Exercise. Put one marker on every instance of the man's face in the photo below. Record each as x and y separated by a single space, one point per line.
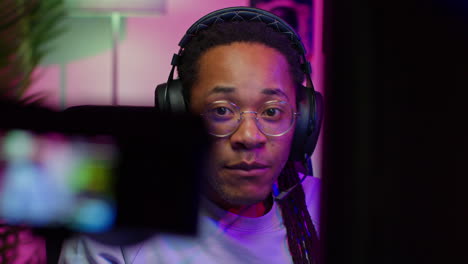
246 163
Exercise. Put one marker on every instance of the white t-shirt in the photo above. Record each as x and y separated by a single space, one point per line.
223 237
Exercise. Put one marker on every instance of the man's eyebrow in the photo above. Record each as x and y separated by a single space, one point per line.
221 89
271 91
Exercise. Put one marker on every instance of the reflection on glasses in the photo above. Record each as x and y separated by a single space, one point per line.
273 118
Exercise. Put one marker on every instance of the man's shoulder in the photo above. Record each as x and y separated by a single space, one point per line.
311 184
312 191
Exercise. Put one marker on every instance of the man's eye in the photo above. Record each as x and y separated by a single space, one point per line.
221 113
221 110
272 112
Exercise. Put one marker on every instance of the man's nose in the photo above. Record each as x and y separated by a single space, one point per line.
248 135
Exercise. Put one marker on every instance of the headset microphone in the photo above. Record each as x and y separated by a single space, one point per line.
277 196
283 194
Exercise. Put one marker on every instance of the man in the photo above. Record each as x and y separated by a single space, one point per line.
245 79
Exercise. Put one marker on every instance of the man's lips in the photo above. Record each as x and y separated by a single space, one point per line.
247 166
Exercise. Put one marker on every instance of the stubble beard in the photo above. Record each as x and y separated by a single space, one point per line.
221 193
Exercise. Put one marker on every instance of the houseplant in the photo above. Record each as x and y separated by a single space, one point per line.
26 29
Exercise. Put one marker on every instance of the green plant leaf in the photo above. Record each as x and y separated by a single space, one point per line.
27 28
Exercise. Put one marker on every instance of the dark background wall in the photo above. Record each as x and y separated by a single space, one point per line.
395 136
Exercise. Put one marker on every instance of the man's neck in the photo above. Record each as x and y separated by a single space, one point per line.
253 210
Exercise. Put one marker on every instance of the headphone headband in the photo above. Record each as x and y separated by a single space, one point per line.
232 14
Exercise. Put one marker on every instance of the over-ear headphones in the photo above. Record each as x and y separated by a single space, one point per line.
170 97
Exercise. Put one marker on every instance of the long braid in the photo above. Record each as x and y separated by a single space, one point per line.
302 237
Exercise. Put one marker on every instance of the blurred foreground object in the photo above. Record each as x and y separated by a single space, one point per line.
95 169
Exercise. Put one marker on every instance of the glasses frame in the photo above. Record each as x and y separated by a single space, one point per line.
241 114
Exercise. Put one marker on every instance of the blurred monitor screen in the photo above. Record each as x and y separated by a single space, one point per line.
57 179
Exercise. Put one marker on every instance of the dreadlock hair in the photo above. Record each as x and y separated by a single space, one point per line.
301 234
299 227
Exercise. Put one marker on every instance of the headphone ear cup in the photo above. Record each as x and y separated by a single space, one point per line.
159 93
308 124
170 97
311 140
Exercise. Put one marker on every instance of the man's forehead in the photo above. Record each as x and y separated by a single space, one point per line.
232 90
244 97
